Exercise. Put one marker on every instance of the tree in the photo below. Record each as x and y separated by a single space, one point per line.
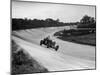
57 20
87 22
86 19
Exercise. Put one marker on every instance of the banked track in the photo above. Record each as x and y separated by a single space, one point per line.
70 56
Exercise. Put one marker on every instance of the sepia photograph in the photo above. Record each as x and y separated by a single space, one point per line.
52 37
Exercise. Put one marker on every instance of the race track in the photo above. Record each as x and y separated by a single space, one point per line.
70 56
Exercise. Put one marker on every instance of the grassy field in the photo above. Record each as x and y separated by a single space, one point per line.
22 63
88 39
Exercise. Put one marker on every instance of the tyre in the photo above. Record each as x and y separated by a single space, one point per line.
41 42
47 45
57 47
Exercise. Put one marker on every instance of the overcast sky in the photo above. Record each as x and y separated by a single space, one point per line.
66 13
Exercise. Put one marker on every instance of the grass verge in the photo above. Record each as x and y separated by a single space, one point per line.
22 63
87 39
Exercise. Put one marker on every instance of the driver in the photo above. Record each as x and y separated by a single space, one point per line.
53 43
49 41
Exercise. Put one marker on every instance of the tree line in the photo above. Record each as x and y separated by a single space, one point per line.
19 23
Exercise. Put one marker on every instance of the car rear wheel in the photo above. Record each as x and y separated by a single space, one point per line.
41 42
56 47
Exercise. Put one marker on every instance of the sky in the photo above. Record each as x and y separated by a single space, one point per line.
63 12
